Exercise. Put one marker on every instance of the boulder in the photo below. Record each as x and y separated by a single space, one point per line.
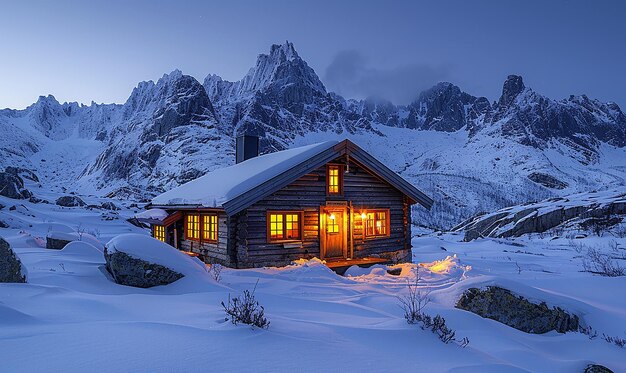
3 224
517 312
56 243
141 261
139 273
70 201
109 206
22 173
12 186
10 265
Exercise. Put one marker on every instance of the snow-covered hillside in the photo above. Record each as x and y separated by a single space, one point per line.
470 155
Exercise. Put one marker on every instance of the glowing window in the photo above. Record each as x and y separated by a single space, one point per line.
292 226
332 224
193 226
209 227
376 223
334 179
159 232
284 226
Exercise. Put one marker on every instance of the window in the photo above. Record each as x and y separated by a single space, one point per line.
159 232
376 223
284 225
334 179
204 226
209 227
332 224
193 227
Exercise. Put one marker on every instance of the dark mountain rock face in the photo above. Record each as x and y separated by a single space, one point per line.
12 186
513 86
535 120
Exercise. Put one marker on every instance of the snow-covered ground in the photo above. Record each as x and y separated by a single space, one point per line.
71 317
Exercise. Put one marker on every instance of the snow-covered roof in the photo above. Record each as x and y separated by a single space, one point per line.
222 185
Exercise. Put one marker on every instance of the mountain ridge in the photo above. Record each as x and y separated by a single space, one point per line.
176 129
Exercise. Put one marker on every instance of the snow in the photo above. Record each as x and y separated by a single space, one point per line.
222 185
327 321
73 318
151 250
152 214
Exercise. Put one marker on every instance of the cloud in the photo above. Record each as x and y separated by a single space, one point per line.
350 75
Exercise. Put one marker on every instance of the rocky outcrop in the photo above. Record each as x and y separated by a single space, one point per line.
109 206
12 186
583 210
139 273
596 368
517 312
22 173
70 201
547 181
10 265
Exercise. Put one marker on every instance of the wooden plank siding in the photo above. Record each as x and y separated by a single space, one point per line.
364 190
212 252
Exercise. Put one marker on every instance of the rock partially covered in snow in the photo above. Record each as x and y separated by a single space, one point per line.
70 201
515 311
141 261
57 240
10 265
109 206
12 186
545 215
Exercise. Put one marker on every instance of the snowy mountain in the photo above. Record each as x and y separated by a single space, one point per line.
470 154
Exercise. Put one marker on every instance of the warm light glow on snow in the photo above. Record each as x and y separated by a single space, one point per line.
441 266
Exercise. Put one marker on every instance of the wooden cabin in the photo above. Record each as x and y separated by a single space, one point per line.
331 200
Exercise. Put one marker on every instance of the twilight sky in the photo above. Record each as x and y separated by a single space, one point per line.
99 50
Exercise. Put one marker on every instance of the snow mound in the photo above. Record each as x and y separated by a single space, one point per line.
83 249
449 266
310 270
375 270
146 248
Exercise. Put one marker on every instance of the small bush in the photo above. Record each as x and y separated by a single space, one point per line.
597 262
619 342
246 310
216 271
413 305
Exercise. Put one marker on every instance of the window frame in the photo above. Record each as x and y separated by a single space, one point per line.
156 236
284 214
340 168
387 224
187 237
217 229
201 218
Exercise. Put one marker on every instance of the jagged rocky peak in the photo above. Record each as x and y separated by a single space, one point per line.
47 115
176 94
442 107
281 74
513 86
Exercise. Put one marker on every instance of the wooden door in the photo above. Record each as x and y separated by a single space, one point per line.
333 223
